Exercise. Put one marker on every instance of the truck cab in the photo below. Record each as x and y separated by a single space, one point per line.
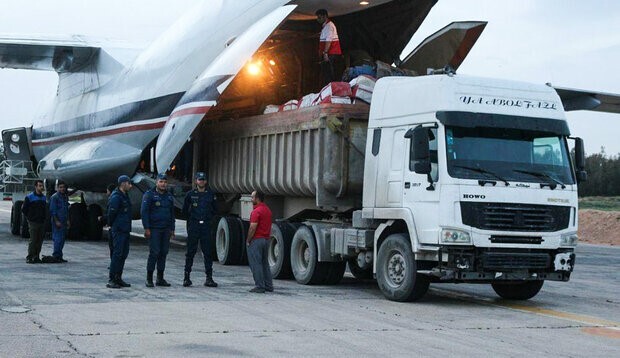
472 181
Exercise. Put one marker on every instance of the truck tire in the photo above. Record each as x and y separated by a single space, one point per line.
335 272
228 241
94 227
16 217
213 233
304 258
244 227
359 273
397 270
518 290
280 250
77 219
24 229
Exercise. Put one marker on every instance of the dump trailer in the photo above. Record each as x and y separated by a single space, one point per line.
443 178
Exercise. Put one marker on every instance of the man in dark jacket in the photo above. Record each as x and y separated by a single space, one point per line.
119 219
157 213
59 212
198 208
34 210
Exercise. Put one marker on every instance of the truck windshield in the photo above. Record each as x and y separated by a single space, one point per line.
508 154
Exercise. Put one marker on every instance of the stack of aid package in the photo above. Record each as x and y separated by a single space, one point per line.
362 88
334 92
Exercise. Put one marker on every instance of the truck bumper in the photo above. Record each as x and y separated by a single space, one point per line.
492 265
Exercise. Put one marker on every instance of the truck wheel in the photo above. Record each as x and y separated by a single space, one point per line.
24 230
335 272
279 255
94 229
213 233
77 218
518 290
228 241
244 227
304 258
16 217
359 273
397 270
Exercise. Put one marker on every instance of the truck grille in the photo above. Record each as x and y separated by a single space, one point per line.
513 261
515 217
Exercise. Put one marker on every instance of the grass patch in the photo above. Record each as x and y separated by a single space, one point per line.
606 203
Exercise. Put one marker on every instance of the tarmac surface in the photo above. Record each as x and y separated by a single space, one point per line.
65 310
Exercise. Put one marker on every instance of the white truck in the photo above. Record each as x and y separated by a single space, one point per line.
443 178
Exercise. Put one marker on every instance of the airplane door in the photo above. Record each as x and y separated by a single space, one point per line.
420 195
208 87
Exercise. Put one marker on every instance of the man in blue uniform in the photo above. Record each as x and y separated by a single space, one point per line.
59 212
198 208
157 213
119 219
34 210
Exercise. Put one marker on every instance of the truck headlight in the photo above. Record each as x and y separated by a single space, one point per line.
451 236
569 240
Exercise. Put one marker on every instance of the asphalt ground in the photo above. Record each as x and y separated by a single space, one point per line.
65 310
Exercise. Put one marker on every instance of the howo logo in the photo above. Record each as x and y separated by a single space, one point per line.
474 196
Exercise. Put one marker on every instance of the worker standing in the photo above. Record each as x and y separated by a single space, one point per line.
34 210
119 219
199 208
59 212
257 242
157 213
330 53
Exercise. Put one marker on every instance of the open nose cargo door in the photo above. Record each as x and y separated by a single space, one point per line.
208 87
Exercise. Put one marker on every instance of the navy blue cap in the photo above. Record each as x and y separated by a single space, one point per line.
201 175
123 178
162 176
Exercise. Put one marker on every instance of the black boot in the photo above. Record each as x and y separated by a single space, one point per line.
186 281
209 281
120 281
112 283
160 280
149 279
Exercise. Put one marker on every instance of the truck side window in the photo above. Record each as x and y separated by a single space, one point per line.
432 136
376 141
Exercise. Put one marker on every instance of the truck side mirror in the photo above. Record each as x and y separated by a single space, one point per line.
419 156
580 161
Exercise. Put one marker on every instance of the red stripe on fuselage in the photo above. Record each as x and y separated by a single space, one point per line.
138 127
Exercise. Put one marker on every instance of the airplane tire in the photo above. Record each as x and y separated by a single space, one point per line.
16 217
94 228
77 219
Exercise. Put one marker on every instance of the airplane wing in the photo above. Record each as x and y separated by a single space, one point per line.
205 91
575 99
60 54
446 47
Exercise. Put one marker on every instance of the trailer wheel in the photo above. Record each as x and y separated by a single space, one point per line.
16 217
94 227
77 218
244 227
24 229
335 272
518 290
228 241
304 258
280 250
358 272
397 270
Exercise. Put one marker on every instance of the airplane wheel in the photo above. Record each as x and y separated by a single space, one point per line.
77 218
16 217
94 227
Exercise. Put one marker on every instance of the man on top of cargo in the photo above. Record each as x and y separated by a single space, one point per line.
199 208
330 53
257 241
157 213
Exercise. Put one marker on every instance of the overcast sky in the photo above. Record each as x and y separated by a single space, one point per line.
570 43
